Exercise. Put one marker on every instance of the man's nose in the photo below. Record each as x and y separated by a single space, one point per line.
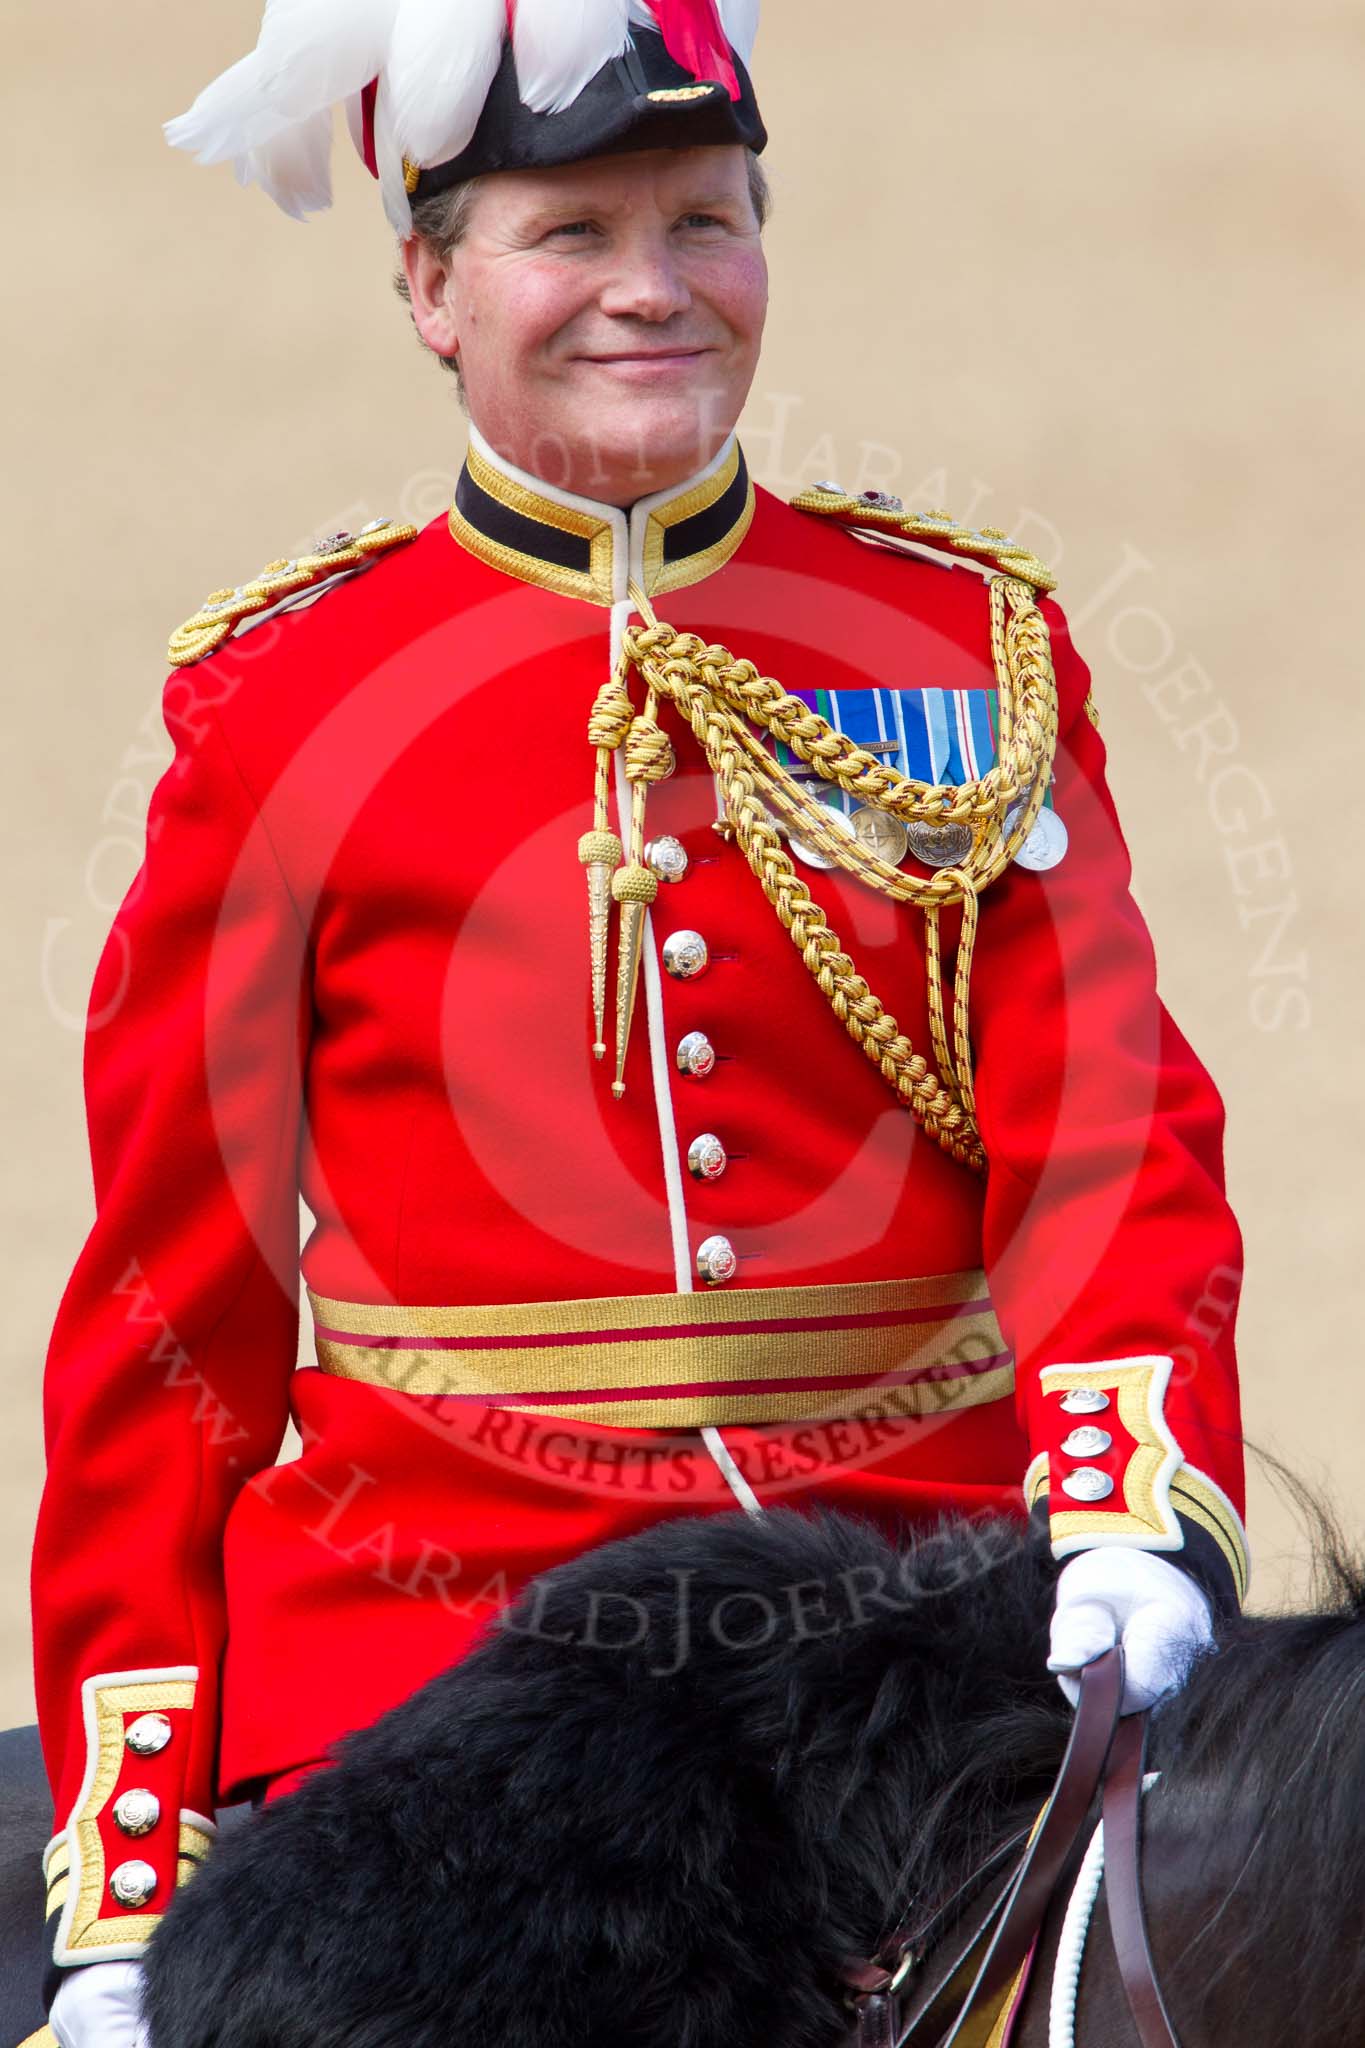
647 284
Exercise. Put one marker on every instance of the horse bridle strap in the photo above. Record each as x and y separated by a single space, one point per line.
995 1953
1122 1885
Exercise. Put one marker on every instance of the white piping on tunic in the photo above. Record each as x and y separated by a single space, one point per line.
658 1062
674 1187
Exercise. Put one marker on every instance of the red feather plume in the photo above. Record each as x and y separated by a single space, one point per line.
694 38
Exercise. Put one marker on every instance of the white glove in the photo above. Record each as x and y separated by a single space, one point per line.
1118 1593
99 2006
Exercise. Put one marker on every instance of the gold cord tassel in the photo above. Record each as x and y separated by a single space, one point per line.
649 758
634 887
600 849
600 853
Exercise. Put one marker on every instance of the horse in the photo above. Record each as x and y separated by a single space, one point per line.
691 1780
690 1783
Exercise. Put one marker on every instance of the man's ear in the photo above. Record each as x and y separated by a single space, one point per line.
428 279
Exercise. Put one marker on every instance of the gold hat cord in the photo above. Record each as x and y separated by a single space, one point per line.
722 698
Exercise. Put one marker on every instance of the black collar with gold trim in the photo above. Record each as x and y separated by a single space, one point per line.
529 529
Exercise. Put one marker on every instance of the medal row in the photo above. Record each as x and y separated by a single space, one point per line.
938 736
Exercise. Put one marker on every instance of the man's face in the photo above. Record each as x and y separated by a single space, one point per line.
607 315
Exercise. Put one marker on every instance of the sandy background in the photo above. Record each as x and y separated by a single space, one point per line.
1089 274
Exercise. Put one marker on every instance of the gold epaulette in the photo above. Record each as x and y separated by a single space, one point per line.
878 510
222 611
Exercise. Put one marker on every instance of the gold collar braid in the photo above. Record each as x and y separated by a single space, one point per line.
722 698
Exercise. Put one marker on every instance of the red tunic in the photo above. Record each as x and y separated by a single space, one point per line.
354 964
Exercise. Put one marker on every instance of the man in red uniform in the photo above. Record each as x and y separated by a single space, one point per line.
708 1090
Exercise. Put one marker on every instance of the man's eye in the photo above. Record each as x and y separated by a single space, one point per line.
570 227
711 220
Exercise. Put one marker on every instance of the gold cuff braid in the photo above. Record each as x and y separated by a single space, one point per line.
722 698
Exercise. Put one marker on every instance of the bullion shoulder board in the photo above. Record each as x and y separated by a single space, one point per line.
327 561
880 512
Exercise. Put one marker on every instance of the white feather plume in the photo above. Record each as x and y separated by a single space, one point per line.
296 168
561 44
739 19
271 111
388 156
442 59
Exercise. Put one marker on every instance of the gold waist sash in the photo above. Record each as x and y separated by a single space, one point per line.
659 1361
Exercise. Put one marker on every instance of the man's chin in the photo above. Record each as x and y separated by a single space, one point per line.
676 431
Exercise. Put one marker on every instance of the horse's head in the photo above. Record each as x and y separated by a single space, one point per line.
1254 1850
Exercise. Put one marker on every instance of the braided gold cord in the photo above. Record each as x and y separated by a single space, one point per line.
224 610
939 529
1028 731
648 758
723 698
956 1064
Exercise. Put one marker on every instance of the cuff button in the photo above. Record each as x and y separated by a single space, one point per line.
132 1883
1087 1482
1085 1401
1087 1442
137 1810
148 1734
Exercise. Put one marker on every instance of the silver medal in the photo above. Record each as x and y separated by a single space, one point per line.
881 834
1045 844
939 846
815 856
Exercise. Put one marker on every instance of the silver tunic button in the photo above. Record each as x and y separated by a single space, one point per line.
667 857
716 1260
148 1734
1087 1442
137 1810
132 1883
686 955
836 490
1087 1482
1085 1401
696 1055
707 1158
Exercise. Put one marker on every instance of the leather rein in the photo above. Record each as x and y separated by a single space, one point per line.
963 2003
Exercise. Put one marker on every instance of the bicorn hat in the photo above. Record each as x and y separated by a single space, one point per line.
438 91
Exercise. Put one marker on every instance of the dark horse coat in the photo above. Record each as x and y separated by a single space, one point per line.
683 1777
